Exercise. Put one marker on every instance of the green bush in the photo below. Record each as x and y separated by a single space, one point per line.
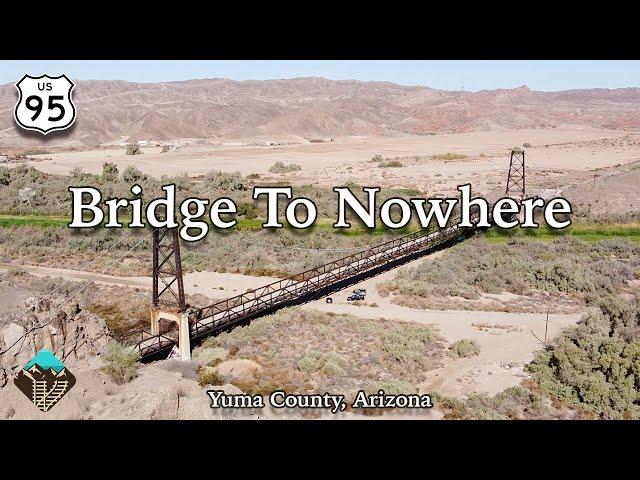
406 346
596 365
109 172
224 181
120 362
133 149
132 175
465 347
280 167
247 210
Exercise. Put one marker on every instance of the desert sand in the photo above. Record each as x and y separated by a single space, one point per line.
347 159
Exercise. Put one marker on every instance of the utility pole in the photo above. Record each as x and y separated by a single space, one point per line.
546 328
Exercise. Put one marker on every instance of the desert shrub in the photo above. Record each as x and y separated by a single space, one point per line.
377 159
391 164
133 149
516 402
209 376
123 317
280 167
449 156
165 148
247 210
35 151
390 387
596 365
210 356
406 346
120 362
109 172
132 175
76 173
527 145
224 181
5 176
331 363
465 347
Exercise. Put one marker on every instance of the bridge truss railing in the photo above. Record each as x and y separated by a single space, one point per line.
215 317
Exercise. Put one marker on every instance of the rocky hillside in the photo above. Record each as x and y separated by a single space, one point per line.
315 107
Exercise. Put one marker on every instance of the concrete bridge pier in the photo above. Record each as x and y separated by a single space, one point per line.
184 333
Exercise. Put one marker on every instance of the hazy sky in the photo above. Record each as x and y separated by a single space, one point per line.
450 75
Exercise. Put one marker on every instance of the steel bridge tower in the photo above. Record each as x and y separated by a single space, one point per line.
168 300
516 179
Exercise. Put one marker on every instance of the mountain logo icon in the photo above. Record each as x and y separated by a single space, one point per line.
44 380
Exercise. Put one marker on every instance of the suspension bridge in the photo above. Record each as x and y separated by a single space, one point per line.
197 323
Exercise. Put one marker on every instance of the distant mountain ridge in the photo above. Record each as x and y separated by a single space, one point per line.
307 108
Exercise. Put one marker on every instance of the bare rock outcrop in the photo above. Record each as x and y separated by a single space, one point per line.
69 333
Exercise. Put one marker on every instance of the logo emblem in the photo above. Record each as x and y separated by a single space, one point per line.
45 103
44 380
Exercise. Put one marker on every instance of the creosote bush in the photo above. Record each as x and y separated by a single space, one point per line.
465 347
133 149
226 182
280 167
120 362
